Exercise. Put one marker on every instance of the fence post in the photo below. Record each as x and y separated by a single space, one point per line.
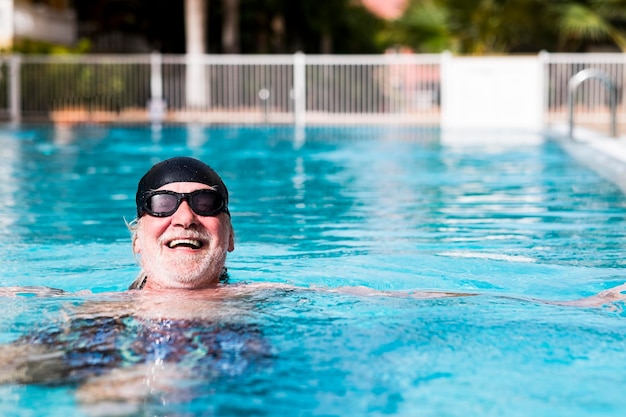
14 88
299 89
156 104
544 62
445 85
196 82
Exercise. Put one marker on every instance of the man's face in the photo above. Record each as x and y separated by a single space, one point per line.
184 250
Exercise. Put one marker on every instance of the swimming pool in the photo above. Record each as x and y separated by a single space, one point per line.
388 209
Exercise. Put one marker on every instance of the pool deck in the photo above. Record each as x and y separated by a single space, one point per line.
605 155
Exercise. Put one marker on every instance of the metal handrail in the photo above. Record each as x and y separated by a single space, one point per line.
578 79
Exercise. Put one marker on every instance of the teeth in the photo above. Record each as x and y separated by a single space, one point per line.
190 243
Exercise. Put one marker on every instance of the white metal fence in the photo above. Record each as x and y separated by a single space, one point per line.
591 100
221 89
394 88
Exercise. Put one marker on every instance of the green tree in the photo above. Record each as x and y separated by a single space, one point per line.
505 26
595 21
424 27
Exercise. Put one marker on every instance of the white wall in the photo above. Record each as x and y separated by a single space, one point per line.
492 92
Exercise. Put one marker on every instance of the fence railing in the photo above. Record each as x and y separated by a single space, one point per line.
219 88
592 99
390 88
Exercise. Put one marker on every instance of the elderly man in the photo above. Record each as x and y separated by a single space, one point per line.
147 344
183 229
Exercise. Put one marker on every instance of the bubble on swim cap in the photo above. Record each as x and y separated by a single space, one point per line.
179 169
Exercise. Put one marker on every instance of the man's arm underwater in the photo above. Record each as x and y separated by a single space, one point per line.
611 295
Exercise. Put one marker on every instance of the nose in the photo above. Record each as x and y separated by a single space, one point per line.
184 216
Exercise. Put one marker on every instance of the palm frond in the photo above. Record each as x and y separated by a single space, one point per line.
579 22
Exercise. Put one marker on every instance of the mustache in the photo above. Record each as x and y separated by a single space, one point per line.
188 234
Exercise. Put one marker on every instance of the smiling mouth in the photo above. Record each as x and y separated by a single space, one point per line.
185 243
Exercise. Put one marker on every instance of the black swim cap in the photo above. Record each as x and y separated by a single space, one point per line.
179 169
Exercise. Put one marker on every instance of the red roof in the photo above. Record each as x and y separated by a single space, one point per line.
387 9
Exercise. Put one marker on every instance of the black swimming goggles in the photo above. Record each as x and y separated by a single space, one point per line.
164 203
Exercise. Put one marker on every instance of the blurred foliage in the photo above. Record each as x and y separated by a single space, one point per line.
77 85
508 26
593 21
346 27
286 26
265 26
27 46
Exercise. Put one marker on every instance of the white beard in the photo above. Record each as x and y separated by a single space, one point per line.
173 269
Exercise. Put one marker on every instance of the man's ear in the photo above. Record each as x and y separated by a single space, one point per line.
136 247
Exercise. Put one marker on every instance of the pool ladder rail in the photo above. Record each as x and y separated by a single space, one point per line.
576 80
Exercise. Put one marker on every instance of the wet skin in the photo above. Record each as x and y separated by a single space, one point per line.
184 250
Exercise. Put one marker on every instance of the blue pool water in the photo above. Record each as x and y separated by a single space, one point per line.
388 209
